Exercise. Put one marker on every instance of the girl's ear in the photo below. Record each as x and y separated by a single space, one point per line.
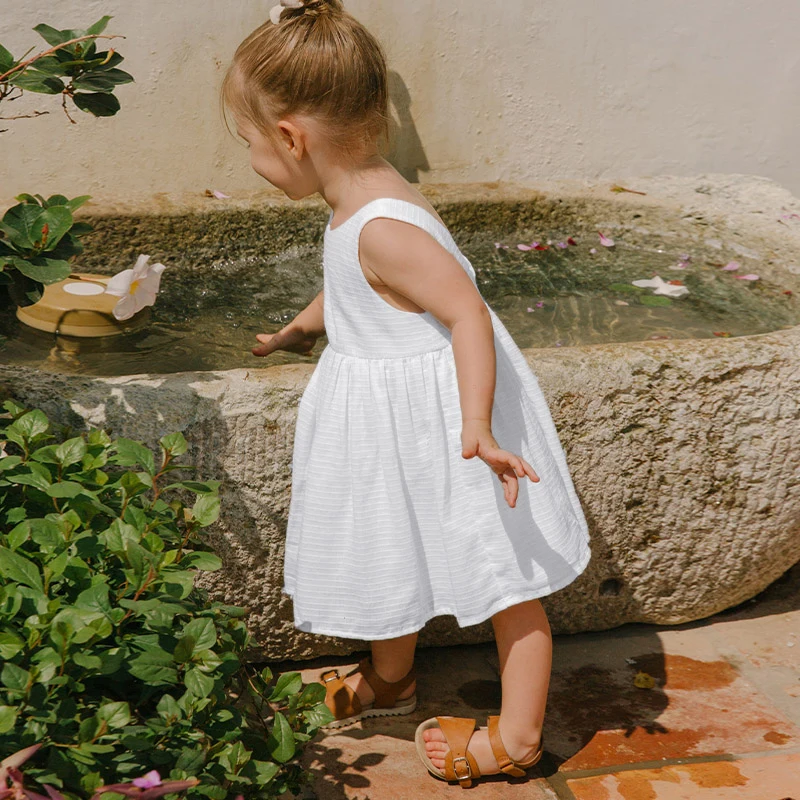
293 139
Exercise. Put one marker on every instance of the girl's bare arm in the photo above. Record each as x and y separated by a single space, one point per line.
299 336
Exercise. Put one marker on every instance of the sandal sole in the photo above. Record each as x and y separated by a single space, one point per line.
395 711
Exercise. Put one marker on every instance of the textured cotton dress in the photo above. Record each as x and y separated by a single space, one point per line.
388 524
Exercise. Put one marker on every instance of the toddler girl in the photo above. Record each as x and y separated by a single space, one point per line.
404 504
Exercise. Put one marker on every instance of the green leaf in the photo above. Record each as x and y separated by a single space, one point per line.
53 36
288 683
32 81
72 205
29 426
98 26
42 269
198 683
203 632
66 489
178 584
154 666
8 718
36 476
207 562
131 453
6 60
10 645
206 509
312 694
318 716
174 443
102 81
14 677
97 103
71 451
280 742
87 661
184 650
265 771
116 715
16 568
58 220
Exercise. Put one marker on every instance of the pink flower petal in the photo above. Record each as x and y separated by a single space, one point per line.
220 195
593 250
530 310
749 277
731 266
148 781
524 247
562 245
605 241
540 305
500 246
790 216
621 303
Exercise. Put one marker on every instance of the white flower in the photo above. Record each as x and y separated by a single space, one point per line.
660 286
137 287
276 11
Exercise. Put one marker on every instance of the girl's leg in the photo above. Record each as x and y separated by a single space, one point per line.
392 659
524 645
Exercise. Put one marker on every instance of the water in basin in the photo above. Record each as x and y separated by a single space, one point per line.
206 316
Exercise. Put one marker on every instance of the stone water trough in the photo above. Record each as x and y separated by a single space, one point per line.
685 453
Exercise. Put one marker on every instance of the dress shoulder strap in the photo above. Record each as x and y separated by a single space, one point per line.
405 211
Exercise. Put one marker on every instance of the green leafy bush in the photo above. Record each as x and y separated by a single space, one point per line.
111 657
37 239
70 68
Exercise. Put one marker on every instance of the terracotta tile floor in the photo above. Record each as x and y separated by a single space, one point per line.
721 722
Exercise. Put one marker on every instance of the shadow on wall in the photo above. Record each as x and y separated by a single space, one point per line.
405 152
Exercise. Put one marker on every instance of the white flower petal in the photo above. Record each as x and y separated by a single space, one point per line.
120 284
126 308
275 14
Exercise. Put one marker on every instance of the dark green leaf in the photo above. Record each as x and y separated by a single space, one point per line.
154 666
207 562
14 677
98 103
288 683
16 568
53 36
66 489
116 715
6 60
203 632
32 81
280 742
198 683
71 451
312 694
30 426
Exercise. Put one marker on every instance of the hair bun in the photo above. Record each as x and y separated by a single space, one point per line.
301 8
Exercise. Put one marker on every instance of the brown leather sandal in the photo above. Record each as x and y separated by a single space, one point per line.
346 706
459 763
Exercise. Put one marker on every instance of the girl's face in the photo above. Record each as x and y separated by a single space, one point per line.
279 160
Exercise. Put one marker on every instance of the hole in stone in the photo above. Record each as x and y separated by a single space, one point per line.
610 587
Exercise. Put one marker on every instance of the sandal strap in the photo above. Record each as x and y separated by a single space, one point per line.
340 699
386 693
459 764
504 761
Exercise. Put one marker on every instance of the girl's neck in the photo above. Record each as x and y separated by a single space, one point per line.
347 187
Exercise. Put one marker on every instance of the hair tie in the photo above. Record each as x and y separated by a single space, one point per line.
276 11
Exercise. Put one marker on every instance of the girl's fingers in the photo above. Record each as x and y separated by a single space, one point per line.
529 471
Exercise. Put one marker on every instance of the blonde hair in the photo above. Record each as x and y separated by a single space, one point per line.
318 61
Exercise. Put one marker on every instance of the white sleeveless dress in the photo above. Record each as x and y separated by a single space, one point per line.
388 524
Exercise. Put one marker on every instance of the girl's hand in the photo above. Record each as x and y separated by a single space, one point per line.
292 339
477 440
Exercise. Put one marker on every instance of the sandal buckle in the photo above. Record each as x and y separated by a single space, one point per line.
466 764
330 675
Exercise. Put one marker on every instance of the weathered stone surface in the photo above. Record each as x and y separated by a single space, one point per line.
685 453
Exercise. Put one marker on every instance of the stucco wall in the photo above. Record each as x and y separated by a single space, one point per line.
516 90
